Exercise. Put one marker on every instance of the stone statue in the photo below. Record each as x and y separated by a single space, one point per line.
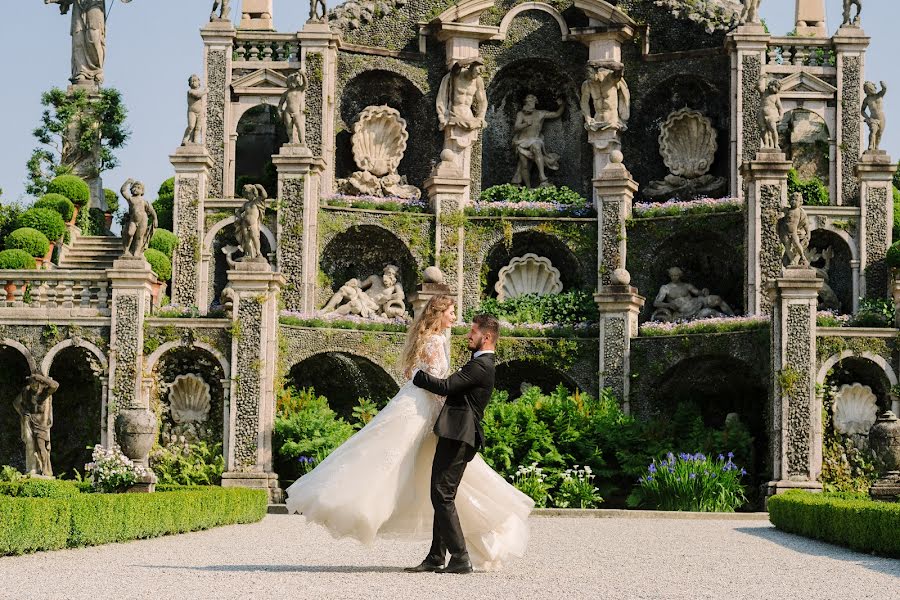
750 14
770 113
682 301
828 300
350 300
35 407
247 220
794 231
88 38
292 107
461 88
848 9
196 115
687 143
375 296
528 142
873 113
607 91
142 221
318 11
224 8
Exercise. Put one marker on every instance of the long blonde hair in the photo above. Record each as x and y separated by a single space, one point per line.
428 323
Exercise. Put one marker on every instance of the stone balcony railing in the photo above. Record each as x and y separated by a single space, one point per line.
788 54
76 292
266 47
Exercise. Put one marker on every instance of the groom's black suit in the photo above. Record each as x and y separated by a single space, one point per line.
460 436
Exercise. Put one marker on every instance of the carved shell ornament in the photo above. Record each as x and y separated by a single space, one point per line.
688 143
528 274
379 140
855 409
189 399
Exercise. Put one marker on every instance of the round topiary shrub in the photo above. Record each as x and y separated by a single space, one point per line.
112 201
164 241
72 187
893 256
46 220
160 263
30 240
16 259
59 203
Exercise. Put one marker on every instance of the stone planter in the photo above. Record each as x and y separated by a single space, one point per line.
884 439
48 258
136 433
74 216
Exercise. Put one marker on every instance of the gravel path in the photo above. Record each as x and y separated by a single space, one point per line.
282 557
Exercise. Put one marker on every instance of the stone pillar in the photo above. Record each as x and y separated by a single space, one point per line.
766 195
613 193
811 18
254 357
192 164
876 203
619 306
257 15
299 182
850 45
218 42
796 417
432 286
747 47
447 197
318 48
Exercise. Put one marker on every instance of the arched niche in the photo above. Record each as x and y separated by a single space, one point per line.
260 135
222 235
14 370
514 376
865 368
536 242
831 256
804 138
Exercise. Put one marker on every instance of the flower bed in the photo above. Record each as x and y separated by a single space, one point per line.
376 203
691 482
333 321
827 318
529 209
712 325
677 208
549 330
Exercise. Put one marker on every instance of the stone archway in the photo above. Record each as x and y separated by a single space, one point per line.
16 365
213 263
260 134
536 242
512 375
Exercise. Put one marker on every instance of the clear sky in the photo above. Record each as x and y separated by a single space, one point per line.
154 45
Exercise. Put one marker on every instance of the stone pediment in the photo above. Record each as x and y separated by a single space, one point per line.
260 82
805 85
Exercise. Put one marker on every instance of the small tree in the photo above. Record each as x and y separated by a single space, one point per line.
76 128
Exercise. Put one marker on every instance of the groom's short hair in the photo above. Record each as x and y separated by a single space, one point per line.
488 324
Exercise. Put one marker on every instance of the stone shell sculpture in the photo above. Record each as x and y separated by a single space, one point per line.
855 409
189 399
528 274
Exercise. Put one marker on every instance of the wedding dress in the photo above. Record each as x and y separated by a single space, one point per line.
377 484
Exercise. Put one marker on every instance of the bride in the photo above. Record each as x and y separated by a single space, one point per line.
377 483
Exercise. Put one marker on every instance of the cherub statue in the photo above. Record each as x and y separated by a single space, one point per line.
770 112
247 220
35 407
794 232
195 115
318 11
142 221
607 90
873 113
224 8
750 14
528 141
292 107
848 9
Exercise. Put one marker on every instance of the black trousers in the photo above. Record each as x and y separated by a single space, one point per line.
450 460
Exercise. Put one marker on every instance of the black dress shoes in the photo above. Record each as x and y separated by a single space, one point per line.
459 566
425 566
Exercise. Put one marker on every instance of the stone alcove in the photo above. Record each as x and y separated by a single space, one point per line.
840 272
541 244
512 374
804 137
260 134
14 369
220 236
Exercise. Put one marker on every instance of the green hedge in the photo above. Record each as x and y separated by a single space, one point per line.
16 259
46 220
32 524
160 263
847 520
72 187
59 203
29 240
164 241
39 488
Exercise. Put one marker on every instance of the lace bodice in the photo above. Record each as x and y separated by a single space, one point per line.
436 361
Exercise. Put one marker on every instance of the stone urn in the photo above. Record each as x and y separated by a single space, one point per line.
136 433
884 439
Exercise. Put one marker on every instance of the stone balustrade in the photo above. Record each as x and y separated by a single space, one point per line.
266 47
85 291
783 53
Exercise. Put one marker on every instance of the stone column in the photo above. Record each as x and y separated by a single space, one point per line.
796 417
218 42
299 182
318 48
447 192
811 18
766 194
256 15
254 357
619 306
850 45
876 207
192 164
613 193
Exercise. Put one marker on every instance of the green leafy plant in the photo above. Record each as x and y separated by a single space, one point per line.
874 312
364 411
160 263
571 307
47 221
892 258
577 489
188 464
508 192
691 482
112 201
814 191
59 203
532 482
10 474
72 187
164 241
111 471
165 203
16 259
28 240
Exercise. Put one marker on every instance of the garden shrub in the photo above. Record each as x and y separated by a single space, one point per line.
508 192
33 524
28 240
112 201
691 482
874 312
188 465
164 204
46 220
16 259
8 215
111 471
896 227
160 263
72 187
567 308
892 259
814 191
845 519
59 203
164 241
39 488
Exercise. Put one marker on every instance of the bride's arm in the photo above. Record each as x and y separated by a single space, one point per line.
434 358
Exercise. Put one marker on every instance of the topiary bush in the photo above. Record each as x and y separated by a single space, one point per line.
16 259
72 187
30 240
164 241
896 213
112 201
164 203
59 203
47 221
160 263
892 258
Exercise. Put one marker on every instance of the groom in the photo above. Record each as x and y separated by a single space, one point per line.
460 436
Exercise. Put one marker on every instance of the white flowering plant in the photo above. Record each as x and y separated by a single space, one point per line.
531 481
577 489
111 471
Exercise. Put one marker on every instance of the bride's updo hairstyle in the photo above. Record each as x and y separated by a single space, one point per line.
427 323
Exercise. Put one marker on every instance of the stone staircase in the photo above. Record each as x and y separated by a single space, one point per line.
92 252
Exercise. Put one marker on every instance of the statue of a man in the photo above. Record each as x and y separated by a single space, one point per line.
196 115
247 220
681 301
224 8
528 141
35 407
460 88
794 231
607 91
292 107
750 14
386 291
350 300
770 112
873 113
848 10
318 11
88 38
142 221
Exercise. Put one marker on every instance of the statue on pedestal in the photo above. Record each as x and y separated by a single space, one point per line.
794 232
607 91
247 220
318 11
196 115
750 14
848 10
88 38
770 113
292 108
142 221
375 296
528 142
827 300
873 113
461 88
682 301
224 8
35 407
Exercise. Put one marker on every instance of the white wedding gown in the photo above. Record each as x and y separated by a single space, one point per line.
377 484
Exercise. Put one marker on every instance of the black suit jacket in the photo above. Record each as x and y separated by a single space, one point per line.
468 392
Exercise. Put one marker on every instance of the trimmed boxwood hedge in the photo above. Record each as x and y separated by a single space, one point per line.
164 241
46 220
160 263
72 187
843 519
16 259
59 203
29 240
28 524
